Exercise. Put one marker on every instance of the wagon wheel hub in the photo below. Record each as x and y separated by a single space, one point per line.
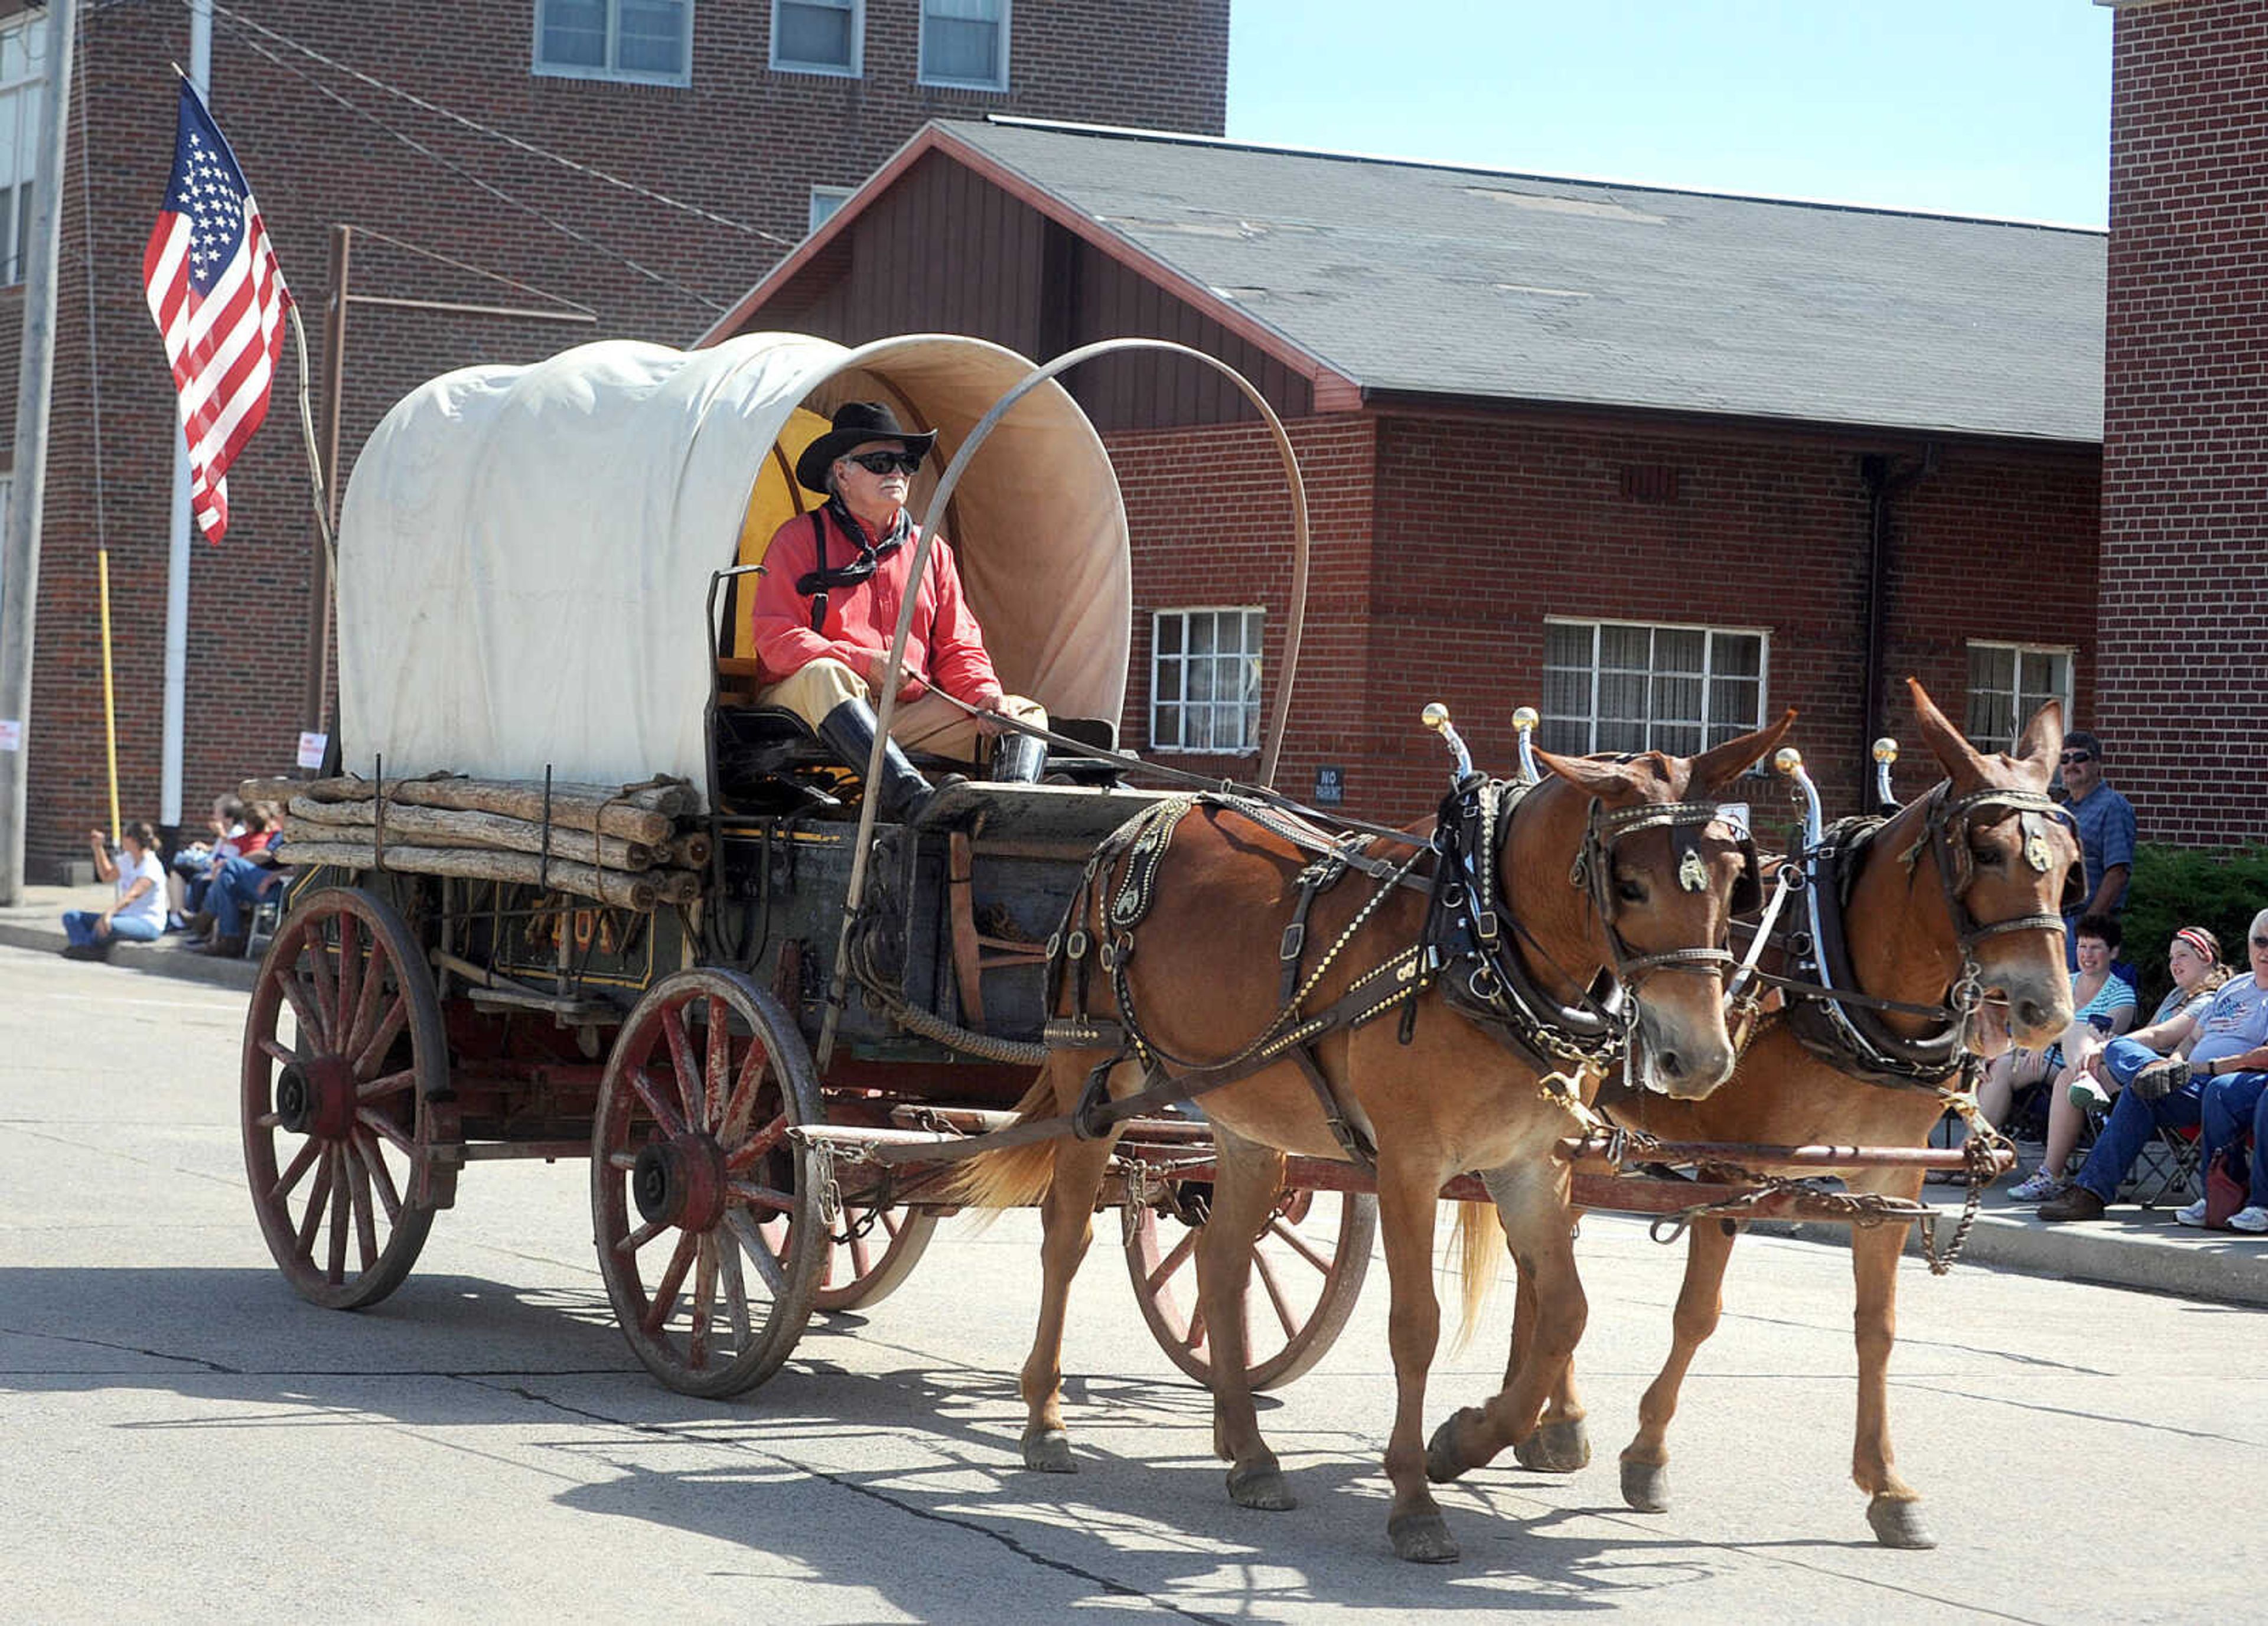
681 1182
317 1097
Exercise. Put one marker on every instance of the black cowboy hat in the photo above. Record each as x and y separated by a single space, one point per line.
856 423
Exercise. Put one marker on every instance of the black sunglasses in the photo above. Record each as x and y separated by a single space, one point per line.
888 462
2069 757
2260 942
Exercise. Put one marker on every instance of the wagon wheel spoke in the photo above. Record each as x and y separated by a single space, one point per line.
303 1008
350 976
649 1092
742 1103
292 1175
680 1058
736 1291
1300 1245
276 1051
718 1066
704 1301
365 1222
630 1245
388 1130
380 1176
756 1146
1267 1274
318 1196
339 1200
760 1196
374 1048
393 1084
1194 1339
324 982
1174 1260
890 1225
743 1227
862 1258
623 1160
664 1291
366 1000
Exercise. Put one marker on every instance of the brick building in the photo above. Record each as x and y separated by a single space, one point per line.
1658 463
2185 617
711 136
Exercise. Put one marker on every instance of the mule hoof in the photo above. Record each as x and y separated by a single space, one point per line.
1422 1538
1646 1486
1898 1522
1261 1487
1047 1450
1443 1462
1558 1447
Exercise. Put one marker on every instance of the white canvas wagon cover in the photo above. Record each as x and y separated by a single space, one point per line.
524 553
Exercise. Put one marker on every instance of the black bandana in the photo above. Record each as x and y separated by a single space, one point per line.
815 583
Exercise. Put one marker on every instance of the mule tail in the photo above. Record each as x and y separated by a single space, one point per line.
1018 1176
1478 1240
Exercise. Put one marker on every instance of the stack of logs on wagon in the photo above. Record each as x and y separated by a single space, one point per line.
630 847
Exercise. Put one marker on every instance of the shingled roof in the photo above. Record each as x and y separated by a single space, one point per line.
1443 279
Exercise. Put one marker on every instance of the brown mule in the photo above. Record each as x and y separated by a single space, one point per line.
1903 947
1451 1099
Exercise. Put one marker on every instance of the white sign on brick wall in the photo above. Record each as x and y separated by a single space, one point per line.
312 747
11 734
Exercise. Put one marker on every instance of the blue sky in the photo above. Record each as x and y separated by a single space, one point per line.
1969 106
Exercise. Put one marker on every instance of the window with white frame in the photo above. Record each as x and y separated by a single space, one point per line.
23 82
1625 686
824 201
965 43
2008 682
818 36
1205 680
650 42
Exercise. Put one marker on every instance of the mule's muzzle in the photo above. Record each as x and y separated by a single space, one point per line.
2038 1012
1684 1060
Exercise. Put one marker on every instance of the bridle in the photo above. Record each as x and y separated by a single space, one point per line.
1946 831
1594 871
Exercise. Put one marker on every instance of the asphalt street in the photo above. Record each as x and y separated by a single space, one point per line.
186 1439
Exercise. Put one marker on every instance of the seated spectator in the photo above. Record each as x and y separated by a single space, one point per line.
237 886
2217 1060
139 913
2102 1005
257 824
185 881
2193 961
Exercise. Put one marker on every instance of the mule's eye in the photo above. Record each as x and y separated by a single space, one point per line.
1989 858
1630 891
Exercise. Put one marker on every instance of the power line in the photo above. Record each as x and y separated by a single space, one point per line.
509 139
470 178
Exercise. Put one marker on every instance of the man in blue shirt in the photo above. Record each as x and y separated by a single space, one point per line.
2210 1070
2106 834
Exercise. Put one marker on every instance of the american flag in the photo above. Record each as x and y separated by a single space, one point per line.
219 298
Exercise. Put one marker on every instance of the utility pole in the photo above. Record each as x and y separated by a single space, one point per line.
20 567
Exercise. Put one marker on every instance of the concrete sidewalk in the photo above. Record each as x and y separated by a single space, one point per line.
37 923
2129 1247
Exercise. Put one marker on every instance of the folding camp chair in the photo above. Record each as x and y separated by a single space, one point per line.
2168 1168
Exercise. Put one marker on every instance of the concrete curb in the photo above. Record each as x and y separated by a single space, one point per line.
2130 1247
163 958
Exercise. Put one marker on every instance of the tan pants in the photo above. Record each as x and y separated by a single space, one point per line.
931 723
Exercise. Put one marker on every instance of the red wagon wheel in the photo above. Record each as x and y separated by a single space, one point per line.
872 1252
1307 1267
347 1152
705 1210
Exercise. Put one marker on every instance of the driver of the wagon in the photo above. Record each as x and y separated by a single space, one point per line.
827 607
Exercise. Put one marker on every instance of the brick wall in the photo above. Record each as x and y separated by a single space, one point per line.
2184 612
1442 544
741 142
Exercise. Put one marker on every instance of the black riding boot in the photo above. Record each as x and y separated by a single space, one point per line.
849 732
1018 759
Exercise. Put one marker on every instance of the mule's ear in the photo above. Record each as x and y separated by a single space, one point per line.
1953 753
1602 779
1719 765
2042 740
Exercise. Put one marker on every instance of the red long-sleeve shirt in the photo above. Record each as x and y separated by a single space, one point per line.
945 649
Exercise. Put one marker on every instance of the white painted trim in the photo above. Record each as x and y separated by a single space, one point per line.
825 70
841 194
609 74
1707 674
921 46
